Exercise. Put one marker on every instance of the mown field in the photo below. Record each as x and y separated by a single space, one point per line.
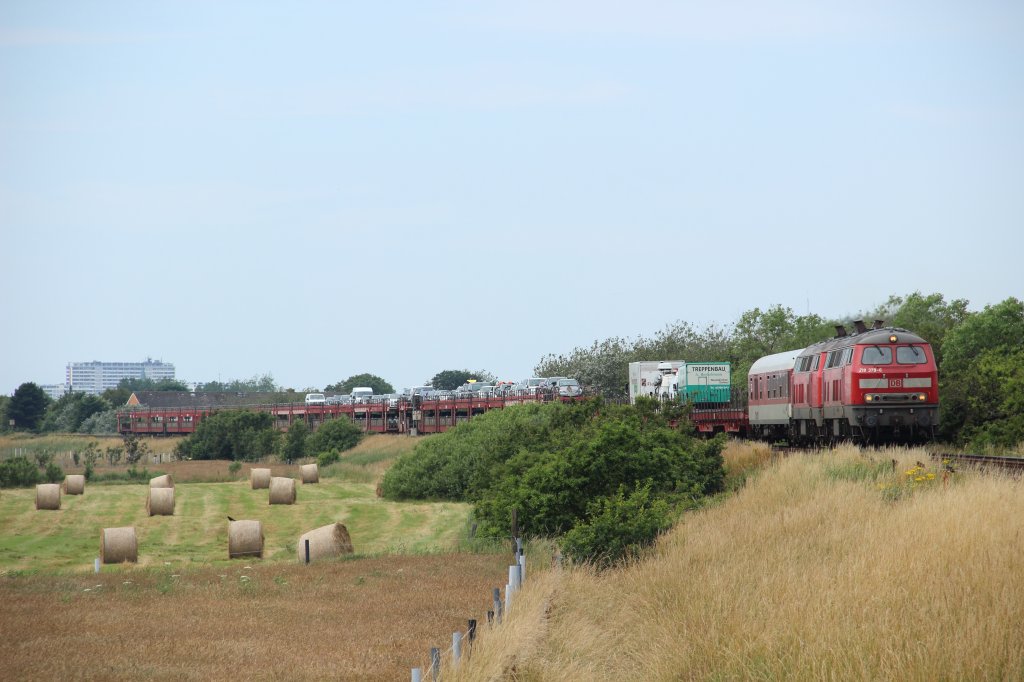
68 538
187 612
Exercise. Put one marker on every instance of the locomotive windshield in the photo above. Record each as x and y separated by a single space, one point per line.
910 355
876 355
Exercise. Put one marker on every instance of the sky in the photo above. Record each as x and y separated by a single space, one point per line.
319 189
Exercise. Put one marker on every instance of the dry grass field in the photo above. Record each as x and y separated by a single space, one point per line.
365 619
829 566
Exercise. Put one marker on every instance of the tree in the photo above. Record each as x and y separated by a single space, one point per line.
132 385
257 384
295 442
336 434
134 448
451 379
231 434
980 379
27 406
378 385
68 412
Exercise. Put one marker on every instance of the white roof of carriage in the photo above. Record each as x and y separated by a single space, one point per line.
780 362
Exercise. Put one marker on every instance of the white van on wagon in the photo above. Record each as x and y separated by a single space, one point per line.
315 399
362 394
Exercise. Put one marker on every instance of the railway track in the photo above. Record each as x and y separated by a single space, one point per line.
1002 461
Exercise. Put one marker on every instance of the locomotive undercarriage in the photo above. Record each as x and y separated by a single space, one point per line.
869 426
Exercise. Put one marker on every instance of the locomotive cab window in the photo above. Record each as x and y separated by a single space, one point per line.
911 355
876 355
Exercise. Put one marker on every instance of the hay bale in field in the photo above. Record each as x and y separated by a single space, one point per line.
245 538
282 490
164 481
310 473
160 502
48 496
326 541
260 478
118 545
74 484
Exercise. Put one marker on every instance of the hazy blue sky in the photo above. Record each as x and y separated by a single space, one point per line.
318 189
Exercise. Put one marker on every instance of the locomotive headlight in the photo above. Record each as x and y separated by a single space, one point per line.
892 338
922 396
868 398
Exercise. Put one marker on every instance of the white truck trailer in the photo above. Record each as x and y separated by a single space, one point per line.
654 378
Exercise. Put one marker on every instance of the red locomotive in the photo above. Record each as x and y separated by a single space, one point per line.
878 385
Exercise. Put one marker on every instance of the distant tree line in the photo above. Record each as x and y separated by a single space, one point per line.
981 367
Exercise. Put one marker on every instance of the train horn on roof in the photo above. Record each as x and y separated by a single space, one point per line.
878 324
861 327
840 331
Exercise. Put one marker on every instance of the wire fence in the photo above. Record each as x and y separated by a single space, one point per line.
462 641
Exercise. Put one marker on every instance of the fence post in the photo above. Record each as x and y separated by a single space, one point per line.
435 663
497 604
307 550
490 617
508 597
417 675
471 630
513 576
456 647
522 569
96 565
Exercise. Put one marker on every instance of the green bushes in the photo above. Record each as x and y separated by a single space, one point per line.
325 459
564 468
336 434
232 434
618 527
18 471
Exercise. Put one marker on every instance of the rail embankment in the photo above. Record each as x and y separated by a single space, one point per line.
838 565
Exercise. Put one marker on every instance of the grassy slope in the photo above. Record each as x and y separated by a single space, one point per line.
821 567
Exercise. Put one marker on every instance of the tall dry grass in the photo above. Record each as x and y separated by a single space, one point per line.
825 566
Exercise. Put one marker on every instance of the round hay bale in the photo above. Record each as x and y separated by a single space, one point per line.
48 496
164 481
74 484
160 502
326 541
245 538
310 473
118 545
260 478
282 490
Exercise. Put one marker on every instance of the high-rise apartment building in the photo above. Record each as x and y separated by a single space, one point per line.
95 377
